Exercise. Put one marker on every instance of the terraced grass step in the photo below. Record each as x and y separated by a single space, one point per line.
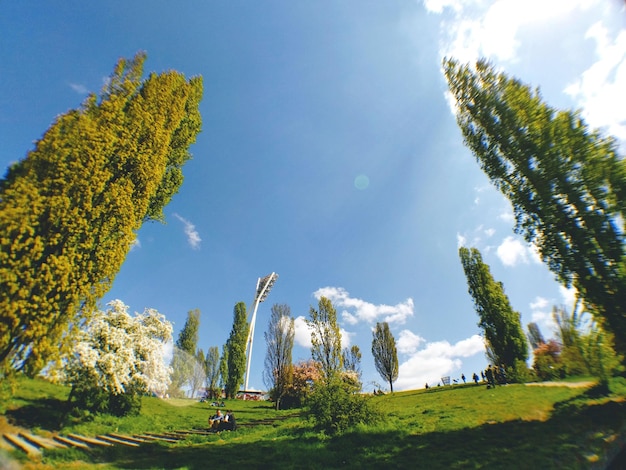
89 440
42 442
150 437
134 439
22 444
117 440
71 442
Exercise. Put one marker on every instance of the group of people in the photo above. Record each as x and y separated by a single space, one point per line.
222 422
491 376
494 375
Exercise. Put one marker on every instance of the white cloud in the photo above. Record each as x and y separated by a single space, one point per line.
497 30
360 310
135 245
479 28
490 232
541 314
461 240
302 333
78 88
568 296
539 303
193 237
513 251
408 342
436 360
600 89
507 216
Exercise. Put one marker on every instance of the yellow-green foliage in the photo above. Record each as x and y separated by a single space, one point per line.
69 211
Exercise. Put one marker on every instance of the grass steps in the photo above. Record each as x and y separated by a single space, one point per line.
42 442
117 440
89 440
71 442
34 445
21 444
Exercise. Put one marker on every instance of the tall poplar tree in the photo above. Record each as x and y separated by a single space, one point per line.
188 337
184 360
352 359
224 367
325 338
385 353
236 346
279 338
212 371
69 211
565 181
501 324
534 336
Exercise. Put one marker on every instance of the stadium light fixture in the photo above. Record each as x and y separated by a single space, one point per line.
263 287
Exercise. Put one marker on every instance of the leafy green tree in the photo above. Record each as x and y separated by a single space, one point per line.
236 346
70 210
184 363
500 323
117 359
336 406
305 375
547 364
279 337
385 353
198 375
599 354
325 338
566 183
570 337
188 336
352 360
212 371
534 335
585 349
224 367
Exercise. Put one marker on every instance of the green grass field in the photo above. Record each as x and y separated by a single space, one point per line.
515 426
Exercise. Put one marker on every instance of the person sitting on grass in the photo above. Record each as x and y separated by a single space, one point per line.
216 419
228 423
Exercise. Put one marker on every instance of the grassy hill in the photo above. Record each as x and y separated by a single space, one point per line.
515 426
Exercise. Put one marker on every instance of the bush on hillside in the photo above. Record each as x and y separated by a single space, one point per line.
117 359
337 405
305 375
520 373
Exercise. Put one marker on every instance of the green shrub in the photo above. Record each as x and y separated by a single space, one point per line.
336 406
520 373
86 401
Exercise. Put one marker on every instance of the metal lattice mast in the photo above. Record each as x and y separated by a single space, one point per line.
263 287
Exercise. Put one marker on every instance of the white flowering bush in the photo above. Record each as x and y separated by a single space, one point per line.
119 357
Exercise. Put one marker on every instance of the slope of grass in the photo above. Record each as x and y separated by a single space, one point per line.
515 426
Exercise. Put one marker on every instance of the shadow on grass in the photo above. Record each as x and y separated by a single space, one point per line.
569 439
44 413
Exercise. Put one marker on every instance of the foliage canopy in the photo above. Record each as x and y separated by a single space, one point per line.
385 353
566 183
69 211
325 338
236 346
279 338
501 324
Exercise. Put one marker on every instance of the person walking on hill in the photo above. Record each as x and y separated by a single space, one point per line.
490 379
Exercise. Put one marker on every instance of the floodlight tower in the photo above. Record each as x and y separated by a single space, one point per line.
263 287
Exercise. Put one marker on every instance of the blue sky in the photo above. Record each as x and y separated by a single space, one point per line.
328 154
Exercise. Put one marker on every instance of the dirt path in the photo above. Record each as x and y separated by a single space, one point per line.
587 383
